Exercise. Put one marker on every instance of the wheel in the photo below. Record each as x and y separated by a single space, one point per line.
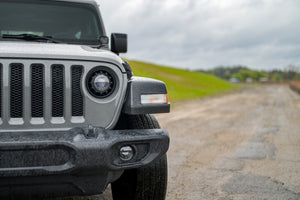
145 183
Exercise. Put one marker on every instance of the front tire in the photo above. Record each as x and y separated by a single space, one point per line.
145 183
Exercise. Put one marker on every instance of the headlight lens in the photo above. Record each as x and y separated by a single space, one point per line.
101 82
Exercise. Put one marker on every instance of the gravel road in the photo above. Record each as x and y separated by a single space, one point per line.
243 145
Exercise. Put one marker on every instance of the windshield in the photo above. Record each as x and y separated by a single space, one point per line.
68 22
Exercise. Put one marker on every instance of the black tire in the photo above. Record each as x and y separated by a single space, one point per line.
146 183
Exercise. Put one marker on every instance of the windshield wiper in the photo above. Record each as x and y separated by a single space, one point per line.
30 37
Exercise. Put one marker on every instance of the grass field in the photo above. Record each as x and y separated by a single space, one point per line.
182 84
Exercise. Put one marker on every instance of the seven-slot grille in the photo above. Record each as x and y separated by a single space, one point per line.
25 81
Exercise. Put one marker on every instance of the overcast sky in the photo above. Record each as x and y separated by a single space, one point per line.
202 34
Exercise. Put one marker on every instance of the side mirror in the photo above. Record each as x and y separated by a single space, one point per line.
118 43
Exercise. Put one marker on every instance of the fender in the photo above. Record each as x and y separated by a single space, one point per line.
139 86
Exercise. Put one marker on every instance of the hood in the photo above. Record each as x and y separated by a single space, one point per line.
56 51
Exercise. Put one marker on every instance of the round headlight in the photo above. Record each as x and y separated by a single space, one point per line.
101 82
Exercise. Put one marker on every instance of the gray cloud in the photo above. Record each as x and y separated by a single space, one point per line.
195 34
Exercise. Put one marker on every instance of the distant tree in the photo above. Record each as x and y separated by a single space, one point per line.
226 72
244 74
276 77
293 68
291 72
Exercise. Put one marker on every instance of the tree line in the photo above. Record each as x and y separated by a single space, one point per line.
243 73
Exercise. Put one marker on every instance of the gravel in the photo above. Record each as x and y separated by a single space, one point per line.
242 145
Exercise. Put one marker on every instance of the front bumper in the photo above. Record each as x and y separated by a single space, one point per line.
80 161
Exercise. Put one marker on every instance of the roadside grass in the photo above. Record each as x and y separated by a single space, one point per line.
182 84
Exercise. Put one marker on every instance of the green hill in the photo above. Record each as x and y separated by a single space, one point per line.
182 84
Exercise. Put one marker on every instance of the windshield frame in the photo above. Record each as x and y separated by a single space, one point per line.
91 5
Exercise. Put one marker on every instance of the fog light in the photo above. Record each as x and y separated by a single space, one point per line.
126 153
154 99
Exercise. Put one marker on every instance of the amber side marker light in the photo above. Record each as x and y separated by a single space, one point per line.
154 99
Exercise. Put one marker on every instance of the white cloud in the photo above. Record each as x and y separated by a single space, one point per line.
206 33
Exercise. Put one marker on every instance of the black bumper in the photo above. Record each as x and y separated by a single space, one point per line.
81 161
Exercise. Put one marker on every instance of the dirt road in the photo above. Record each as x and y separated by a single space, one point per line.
244 145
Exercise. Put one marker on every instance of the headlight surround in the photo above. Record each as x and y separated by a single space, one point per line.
101 82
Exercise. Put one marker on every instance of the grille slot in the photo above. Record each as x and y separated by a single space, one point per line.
39 94
37 90
16 90
1 90
58 90
77 97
